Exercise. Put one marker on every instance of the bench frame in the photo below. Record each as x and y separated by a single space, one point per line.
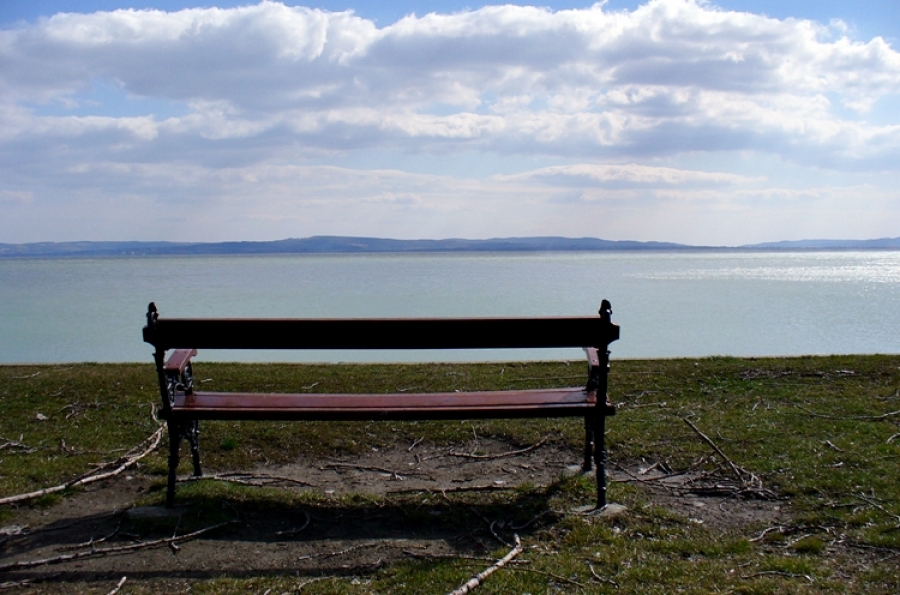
183 407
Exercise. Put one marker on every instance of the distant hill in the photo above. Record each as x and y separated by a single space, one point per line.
349 245
326 245
880 244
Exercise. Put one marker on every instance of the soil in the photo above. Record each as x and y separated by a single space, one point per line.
312 541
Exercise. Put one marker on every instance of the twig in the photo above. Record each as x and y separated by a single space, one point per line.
879 507
496 536
528 524
128 461
777 573
119 586
298 529
238 478
648 479
476 580
92 542
17 444
602 579
832 445
392 473
712 445
110 550
779 528
25 377
555 577
460 489
300 587
511 453
881 417
435 556
342 552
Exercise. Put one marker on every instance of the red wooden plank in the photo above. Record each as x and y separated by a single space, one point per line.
496 404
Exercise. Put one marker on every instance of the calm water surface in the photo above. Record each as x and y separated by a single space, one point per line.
668 304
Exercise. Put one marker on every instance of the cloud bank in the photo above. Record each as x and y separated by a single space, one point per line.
275 121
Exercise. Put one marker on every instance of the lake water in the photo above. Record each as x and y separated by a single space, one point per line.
671 304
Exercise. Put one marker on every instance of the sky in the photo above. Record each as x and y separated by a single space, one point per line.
711 123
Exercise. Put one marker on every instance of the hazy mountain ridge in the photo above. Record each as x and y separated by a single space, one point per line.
349 245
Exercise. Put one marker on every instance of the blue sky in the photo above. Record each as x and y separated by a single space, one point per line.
677 120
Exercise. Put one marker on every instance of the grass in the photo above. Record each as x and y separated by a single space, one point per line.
820 432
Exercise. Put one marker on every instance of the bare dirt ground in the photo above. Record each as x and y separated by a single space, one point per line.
311 541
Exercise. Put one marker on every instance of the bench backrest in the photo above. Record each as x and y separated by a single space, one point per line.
379 333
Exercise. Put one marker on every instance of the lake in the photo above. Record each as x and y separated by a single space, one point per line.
669 304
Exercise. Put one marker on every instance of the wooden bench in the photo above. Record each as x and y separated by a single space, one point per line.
183 407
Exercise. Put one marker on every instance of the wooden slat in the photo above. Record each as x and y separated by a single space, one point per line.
381 333
560 402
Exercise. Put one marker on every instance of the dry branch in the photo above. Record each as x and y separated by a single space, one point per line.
121 549
123 463
511 453
248 479
712 445
602 579
16 444
394 474
118 586
342 552
476 580
456 490
296 530
881 417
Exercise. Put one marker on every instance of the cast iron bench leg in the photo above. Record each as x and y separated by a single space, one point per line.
189 431
192 433
600 459
587 465
174 444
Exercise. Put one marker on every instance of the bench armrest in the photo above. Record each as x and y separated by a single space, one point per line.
179 360
593 356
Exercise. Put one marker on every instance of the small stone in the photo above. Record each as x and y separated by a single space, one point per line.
608 511
12 530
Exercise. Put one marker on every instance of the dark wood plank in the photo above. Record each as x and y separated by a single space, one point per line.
381 333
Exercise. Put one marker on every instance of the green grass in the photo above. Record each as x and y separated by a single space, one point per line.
821 432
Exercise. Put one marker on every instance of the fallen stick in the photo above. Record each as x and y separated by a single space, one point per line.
110 550
456 490
154 441
394 474
119 586
712 444
511 453
246 478
476 580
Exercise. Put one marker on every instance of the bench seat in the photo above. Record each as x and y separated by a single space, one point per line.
558 402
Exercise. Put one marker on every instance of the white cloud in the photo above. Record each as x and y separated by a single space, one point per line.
670 66
603 101
632 174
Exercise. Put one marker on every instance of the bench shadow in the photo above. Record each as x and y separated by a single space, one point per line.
272 536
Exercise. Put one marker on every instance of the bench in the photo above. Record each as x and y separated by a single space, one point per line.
183 407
